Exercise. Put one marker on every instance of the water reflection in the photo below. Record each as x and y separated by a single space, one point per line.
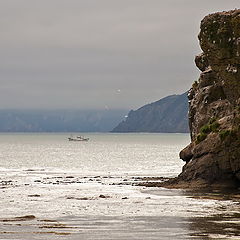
222 222
225 225
218 226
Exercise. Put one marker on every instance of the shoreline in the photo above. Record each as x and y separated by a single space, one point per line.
97 207
199 188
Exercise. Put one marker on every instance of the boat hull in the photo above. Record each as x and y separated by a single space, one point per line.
78 139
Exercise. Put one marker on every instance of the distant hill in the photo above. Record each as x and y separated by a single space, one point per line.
60 120
168 115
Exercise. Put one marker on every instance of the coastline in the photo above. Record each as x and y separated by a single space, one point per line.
63 206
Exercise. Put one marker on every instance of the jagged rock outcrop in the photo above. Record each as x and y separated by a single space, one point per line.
213 155
168 115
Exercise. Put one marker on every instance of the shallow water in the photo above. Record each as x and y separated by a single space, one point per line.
87 190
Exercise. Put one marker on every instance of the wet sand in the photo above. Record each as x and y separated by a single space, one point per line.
62 206
115 227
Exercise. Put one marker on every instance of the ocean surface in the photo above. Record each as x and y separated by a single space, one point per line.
55 189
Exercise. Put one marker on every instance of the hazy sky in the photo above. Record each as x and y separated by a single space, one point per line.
92 54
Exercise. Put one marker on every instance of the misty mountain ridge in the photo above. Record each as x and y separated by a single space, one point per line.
167 115
60 120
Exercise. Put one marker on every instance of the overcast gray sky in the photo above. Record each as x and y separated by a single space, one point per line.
96 54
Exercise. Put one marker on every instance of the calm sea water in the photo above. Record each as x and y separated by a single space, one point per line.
87 190
118 154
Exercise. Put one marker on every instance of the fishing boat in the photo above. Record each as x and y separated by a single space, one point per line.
78 139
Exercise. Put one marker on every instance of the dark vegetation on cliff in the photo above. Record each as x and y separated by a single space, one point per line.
168 115
213 156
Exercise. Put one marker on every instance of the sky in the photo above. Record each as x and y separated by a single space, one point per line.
98 54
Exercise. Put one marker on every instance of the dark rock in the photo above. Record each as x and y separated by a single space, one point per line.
16 219
186 154
202 62
103 196
213 157
81 198
207 78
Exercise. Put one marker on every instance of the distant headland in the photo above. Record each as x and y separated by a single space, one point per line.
168 115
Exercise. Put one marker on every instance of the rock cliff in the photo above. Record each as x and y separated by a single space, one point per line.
168 115
213 156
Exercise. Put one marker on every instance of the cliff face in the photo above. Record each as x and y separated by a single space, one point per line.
213 155
166 115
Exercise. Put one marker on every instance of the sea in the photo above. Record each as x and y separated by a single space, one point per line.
52 188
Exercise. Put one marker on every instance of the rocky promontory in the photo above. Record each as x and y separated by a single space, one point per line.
167 115
213 156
